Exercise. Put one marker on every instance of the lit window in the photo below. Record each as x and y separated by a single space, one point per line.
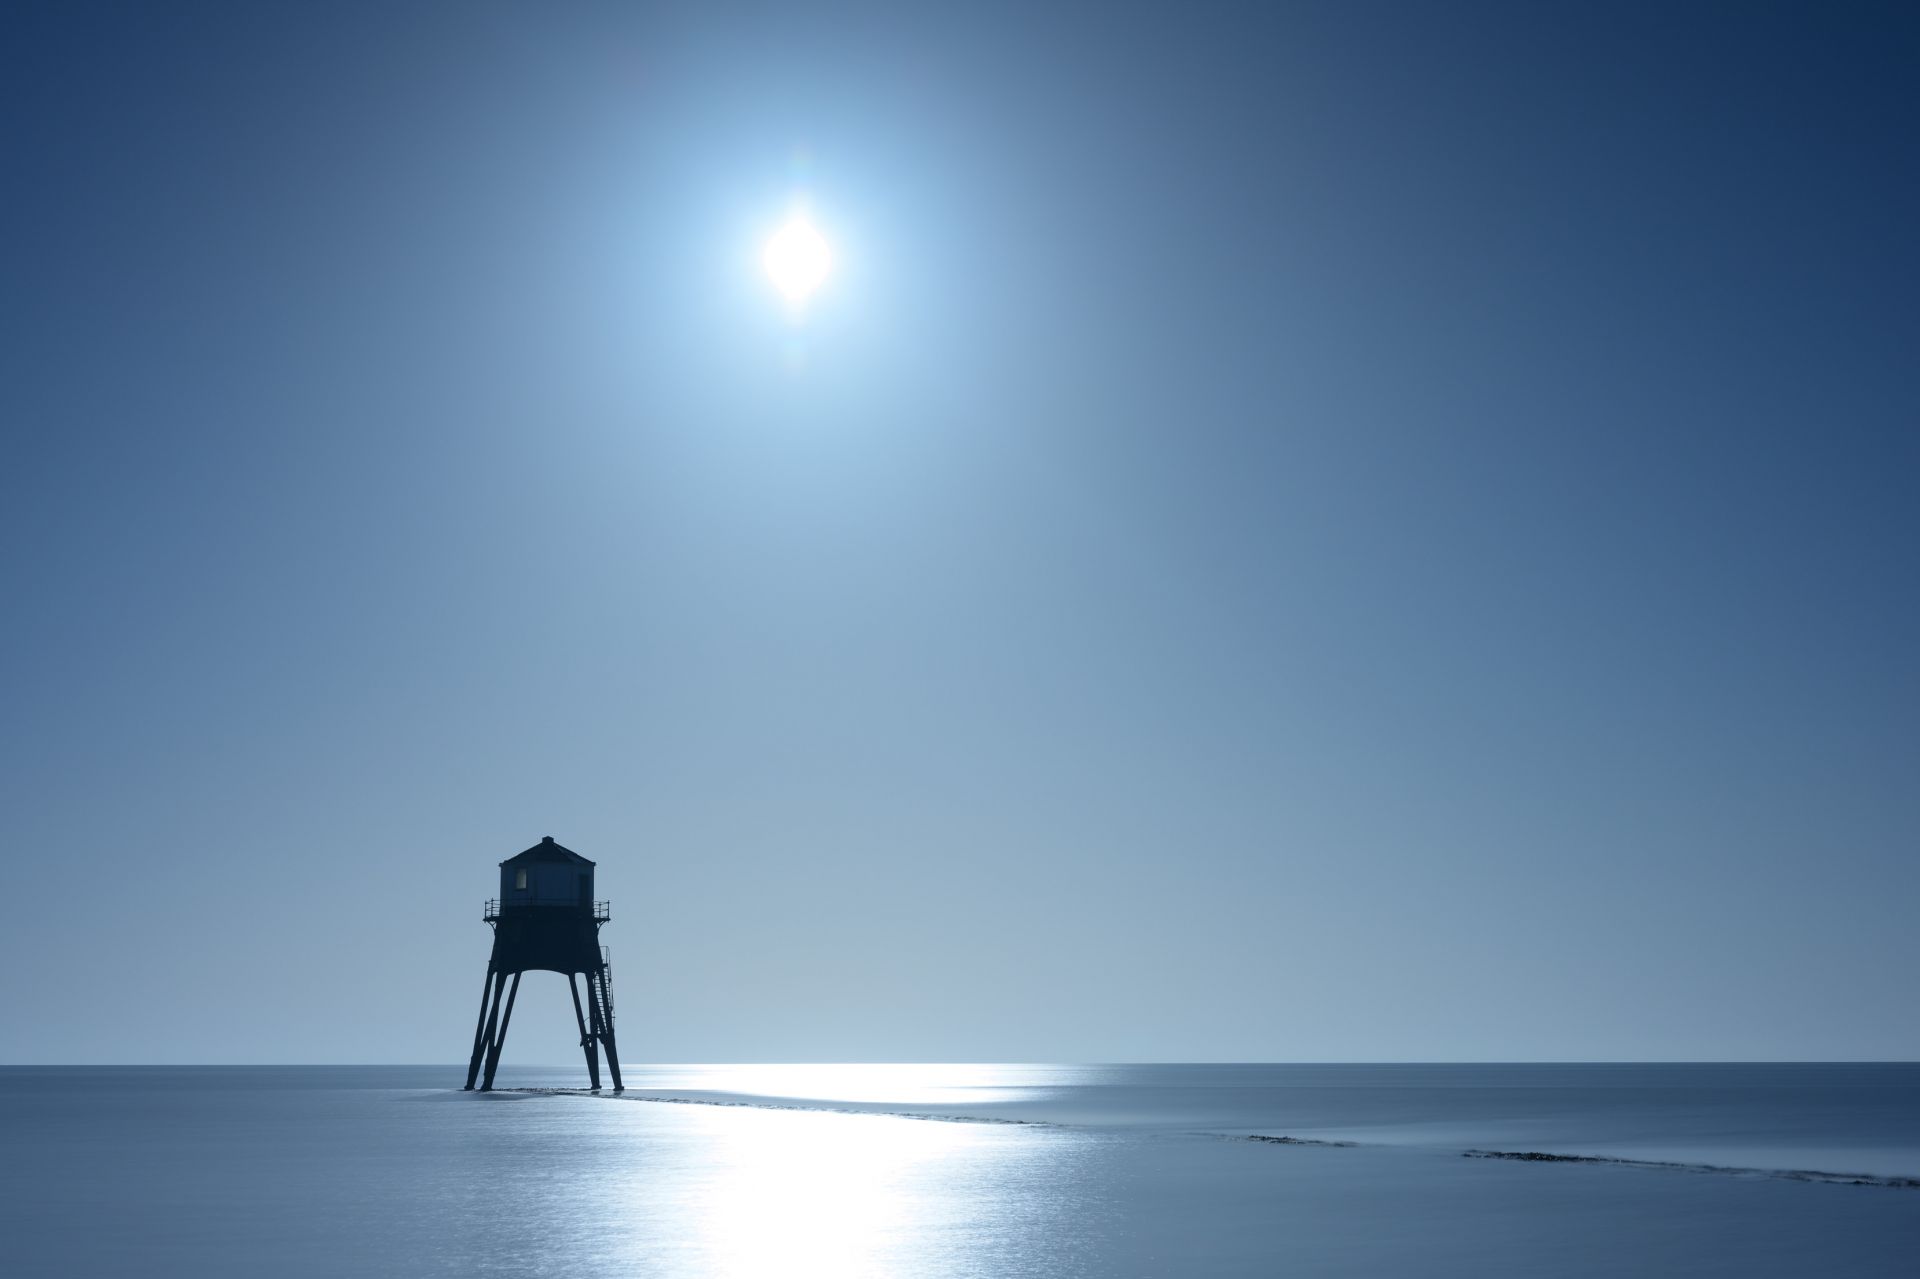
520 880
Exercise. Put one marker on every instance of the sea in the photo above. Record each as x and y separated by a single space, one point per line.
963 1170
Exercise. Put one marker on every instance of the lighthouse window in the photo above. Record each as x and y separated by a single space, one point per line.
520 880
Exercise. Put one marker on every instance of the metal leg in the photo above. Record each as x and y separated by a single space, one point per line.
588 1044
595 1026
603 1008
500 1040
479 1030
493 1023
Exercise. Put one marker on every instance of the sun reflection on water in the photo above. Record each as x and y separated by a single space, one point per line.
807 1195
867 1083
802 1194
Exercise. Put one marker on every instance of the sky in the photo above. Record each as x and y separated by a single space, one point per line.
1296 532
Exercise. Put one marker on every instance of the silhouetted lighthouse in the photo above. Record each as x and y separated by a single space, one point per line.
546 918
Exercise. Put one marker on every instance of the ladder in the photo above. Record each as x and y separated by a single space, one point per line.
606 989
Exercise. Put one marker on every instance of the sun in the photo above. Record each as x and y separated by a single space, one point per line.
797 259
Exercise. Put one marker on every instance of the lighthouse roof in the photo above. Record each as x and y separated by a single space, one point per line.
547 851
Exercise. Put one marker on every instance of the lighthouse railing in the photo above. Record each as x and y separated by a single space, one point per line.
490 909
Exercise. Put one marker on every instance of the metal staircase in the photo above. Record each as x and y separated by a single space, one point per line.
606 990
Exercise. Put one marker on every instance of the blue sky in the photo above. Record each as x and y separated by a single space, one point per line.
1333 532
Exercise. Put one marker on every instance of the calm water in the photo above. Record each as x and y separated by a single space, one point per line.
1118 1170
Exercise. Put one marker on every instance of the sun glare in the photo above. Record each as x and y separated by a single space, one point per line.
797 259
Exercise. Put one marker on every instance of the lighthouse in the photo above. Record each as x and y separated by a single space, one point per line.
546 918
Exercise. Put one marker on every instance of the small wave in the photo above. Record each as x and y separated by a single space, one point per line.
1300 1141
818 1107
1785 1174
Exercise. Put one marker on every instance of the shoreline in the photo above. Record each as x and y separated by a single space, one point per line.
1815 1176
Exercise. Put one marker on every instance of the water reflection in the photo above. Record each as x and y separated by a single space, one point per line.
894 1083
802 1194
